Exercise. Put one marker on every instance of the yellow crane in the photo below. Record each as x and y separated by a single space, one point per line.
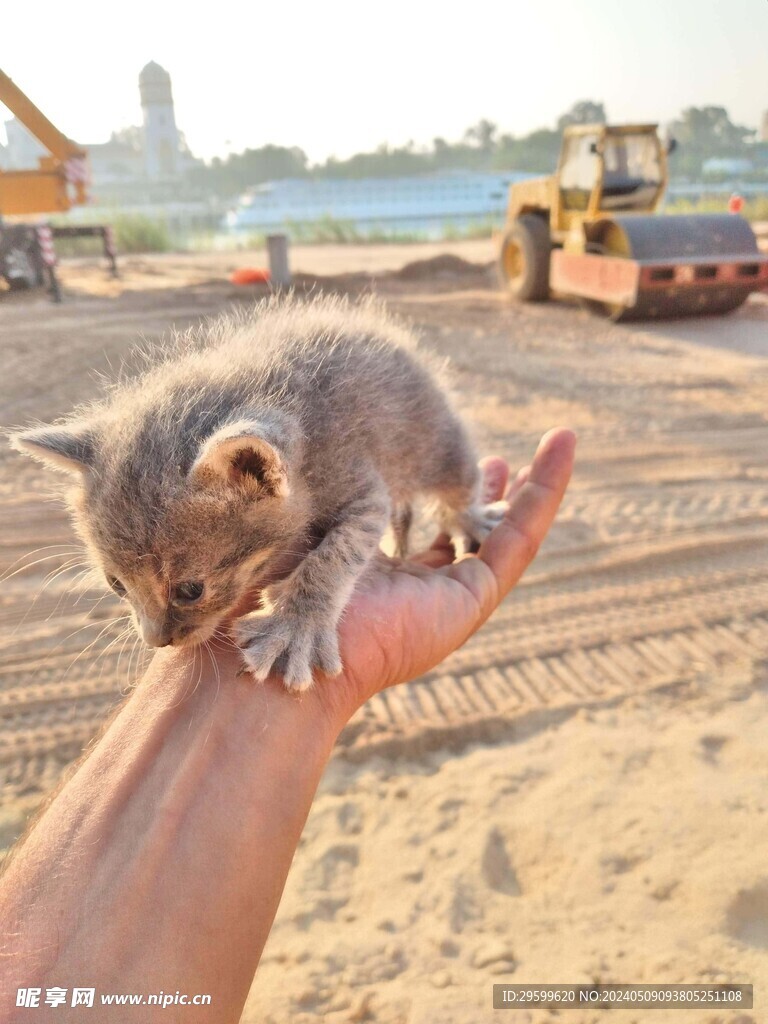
59 182
61 178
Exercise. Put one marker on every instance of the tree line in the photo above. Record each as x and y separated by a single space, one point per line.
701 132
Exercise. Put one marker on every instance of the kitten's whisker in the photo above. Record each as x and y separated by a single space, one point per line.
74 632
216 645
63 595
223 642
80 629
200 670
98 601
63 640
71 562
34 601
215 664
225 639
189 692
48 579
123 632
11 572
135 653
101 658
80 581
54 574
121 636
86 649
142 654
128 633
131 652
212 658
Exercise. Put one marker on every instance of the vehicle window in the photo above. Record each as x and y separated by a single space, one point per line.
632 171
578 173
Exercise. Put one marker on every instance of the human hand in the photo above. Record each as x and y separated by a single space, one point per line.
225 771
407 616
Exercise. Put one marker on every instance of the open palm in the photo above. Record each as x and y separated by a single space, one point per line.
409 615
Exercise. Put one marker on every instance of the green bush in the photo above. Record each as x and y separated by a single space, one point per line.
137 234
133 234
326 229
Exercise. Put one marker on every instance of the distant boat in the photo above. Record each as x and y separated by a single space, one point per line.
427 203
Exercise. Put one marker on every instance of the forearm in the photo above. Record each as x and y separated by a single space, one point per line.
160 865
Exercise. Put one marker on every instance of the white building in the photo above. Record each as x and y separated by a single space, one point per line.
162 149
726 165
156 151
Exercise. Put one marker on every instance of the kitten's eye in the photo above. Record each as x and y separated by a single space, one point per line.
187 593
116 585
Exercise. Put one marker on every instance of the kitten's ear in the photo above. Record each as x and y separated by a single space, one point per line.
70 447
240 455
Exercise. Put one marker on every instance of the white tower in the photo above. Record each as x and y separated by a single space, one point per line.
161 137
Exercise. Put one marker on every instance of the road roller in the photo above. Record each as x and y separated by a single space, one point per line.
592 231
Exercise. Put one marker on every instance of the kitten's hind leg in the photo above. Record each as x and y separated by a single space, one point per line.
402 519
468 524
473 524
460 509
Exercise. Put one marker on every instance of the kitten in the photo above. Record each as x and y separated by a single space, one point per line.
270 449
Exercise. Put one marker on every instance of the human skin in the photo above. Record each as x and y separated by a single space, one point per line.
160 864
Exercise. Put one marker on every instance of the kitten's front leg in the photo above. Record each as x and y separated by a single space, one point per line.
299 631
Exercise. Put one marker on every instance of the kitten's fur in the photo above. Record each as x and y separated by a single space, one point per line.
293 434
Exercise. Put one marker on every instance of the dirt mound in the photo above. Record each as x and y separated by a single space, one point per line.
445 265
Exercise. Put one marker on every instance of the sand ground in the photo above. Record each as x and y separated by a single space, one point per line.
580 793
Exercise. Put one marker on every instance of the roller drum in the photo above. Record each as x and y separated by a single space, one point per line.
680 236
677 239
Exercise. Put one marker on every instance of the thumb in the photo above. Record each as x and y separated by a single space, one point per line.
510 548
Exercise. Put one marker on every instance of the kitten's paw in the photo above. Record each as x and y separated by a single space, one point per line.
474 525
293 645
262 639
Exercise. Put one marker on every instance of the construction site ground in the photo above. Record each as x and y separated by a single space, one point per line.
575 793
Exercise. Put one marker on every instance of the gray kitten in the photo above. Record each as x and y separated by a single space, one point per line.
269 450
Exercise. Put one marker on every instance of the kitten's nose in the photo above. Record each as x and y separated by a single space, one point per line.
156 636
158 641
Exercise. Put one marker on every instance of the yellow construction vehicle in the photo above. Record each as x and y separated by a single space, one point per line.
59 182
591 231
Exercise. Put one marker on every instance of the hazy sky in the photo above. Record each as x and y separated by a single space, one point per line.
337 77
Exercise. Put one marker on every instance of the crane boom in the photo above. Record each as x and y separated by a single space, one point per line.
60 181
22 107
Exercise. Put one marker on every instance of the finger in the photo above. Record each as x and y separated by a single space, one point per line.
442 542
517 483
495 473
438 554
510 548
